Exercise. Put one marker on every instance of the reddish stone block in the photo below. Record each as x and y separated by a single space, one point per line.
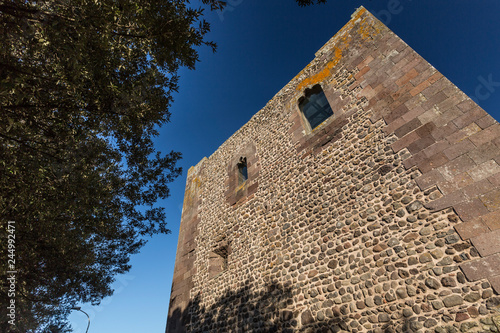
457 136
478 188
470 210
495 283
434 100
486 135
397 113
413 113
486 121
471 229
449 200
414 160
420 144
447 116
447 187
461 316
412 64
444 132
487 243
365 62
459 148
466 105
486 152
429 179
389 129
469 117
484 170
405 141
433 162
424 66
492 220
425 73
407 77
426 130
458 165
437 147
435 77
407 127
451 102
402 94
362 72
482 268
495 179
491 200
457 182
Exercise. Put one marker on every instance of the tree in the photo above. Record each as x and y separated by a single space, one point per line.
85 86
304 3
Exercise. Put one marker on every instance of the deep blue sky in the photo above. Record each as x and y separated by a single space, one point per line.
262 45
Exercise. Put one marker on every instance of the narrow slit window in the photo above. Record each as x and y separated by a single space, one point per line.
242 170
315 106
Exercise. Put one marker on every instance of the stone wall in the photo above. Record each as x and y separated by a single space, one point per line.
385 218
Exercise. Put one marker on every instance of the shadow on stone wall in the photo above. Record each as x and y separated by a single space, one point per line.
270 310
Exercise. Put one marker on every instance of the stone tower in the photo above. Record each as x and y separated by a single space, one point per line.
364 197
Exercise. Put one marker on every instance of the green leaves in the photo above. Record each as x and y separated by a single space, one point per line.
84 87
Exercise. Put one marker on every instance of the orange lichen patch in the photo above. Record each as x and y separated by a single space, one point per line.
368 30
341 41
326 72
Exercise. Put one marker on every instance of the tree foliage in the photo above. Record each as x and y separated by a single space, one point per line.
84 87
304 3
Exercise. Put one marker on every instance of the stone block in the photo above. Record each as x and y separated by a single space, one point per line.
469 210
420 144
486 121
491 200
486 135
432 162
407 127
487 243
484 170
459 148
434 100
397 113
446 201
458 165
408 75
405 141
471 229
457 182
444 132
487 151
429 179
435 148
492 220
482 268
495 283
469 117
478 188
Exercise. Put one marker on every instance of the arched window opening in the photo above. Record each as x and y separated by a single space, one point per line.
315 106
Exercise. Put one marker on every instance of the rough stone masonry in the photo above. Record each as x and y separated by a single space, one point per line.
384 218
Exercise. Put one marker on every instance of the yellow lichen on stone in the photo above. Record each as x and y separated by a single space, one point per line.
341 41
326 72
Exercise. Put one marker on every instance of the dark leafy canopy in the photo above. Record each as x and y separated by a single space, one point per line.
304 3
84 87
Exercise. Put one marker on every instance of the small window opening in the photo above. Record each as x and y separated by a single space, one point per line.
242 170
315 106
218 261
